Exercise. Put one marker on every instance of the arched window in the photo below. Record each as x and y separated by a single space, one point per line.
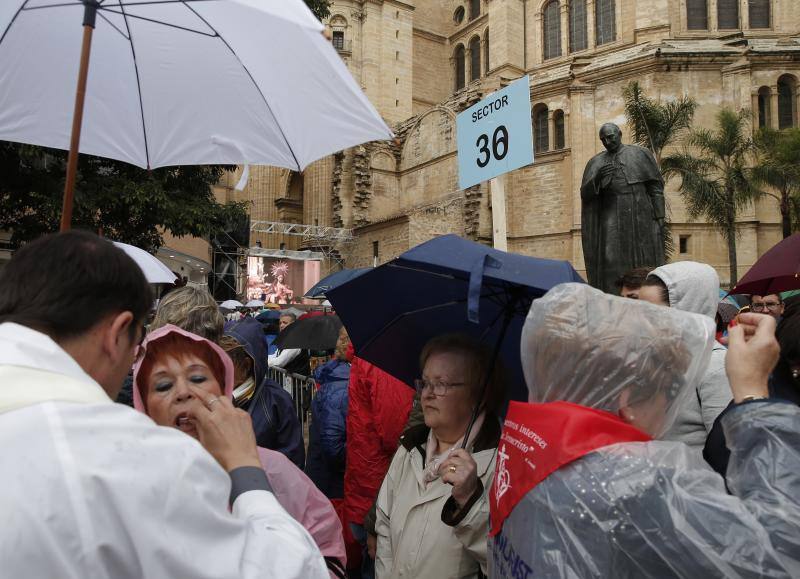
541 133
486 52
338 26
577 26
474 9
758 13
605 22
787 95
728 14
551 29
559 138
697 14
474 58
461 64
458 15
763 107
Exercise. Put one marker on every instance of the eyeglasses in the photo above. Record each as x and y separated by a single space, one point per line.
438 388
761 306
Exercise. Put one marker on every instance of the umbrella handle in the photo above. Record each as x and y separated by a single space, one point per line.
89 18
490 370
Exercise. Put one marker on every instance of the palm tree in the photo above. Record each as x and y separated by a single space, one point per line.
656 125
715 180
653 124
778 166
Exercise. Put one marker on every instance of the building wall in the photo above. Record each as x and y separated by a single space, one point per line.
402 192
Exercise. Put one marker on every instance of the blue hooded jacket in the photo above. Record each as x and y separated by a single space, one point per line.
326 445
272 409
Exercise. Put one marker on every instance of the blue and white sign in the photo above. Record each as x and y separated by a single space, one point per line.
494 136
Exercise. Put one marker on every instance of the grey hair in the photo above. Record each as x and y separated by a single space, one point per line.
192 309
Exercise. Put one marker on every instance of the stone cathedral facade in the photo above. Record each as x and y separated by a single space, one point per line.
423 61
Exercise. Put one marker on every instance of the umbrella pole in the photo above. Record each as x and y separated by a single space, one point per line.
89 17
490 370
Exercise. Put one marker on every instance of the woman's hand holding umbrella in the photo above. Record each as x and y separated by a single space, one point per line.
461 471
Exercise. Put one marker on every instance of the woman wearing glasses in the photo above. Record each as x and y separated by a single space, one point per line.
432 510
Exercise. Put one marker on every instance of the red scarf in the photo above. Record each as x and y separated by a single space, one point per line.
538 439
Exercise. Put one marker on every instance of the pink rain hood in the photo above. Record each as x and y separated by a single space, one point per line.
293 489
163 331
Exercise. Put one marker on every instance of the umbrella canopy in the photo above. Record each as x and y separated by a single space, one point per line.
181 83
154 270
268 316
231 305
312 333
333 280
445 285
255 304
292 311
776 271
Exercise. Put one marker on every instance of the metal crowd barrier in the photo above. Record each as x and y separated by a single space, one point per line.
301 388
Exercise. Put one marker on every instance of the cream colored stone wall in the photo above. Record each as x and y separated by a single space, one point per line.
403 192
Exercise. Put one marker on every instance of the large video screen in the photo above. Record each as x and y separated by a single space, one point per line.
280 280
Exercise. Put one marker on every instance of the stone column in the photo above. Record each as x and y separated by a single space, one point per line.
713 22
551 130
565 48
744 14
538 46
590 24
754 107
773 106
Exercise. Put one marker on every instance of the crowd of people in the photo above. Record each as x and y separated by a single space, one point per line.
661 436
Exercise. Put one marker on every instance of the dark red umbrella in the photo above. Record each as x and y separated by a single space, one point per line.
776 271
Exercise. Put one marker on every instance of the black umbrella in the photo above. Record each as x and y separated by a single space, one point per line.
317 332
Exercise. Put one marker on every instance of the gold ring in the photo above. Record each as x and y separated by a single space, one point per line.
452 468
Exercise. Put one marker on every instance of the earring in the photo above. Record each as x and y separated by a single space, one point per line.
795 373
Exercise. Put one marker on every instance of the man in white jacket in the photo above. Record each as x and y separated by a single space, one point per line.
95 489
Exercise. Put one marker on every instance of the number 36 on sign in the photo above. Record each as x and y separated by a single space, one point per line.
494 135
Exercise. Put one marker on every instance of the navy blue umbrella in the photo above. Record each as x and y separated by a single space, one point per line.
445 285
337 278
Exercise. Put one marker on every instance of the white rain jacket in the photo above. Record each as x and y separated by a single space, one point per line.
643 510
95 489
694 287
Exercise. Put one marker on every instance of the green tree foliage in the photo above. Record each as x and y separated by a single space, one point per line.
778 166
716 182
656 125
119 200
320 8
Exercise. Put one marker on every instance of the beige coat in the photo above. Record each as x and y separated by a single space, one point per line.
413 542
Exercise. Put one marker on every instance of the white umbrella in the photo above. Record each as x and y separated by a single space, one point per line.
254 304
178 83
154 270
231 305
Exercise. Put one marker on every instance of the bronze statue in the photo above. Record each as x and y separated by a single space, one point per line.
622 212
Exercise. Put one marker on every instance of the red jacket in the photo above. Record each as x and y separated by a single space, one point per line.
378 410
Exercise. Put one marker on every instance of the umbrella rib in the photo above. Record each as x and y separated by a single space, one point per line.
161 22
11 22
255 84
385 328
114 26
444 275
138 85
144 3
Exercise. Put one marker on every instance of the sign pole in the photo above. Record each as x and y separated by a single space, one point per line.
497 189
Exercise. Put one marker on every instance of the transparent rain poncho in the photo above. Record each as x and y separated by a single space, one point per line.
648 509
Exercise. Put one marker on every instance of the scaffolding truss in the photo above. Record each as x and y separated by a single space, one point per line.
318 233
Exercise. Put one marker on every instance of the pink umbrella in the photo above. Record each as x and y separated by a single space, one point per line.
776 271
